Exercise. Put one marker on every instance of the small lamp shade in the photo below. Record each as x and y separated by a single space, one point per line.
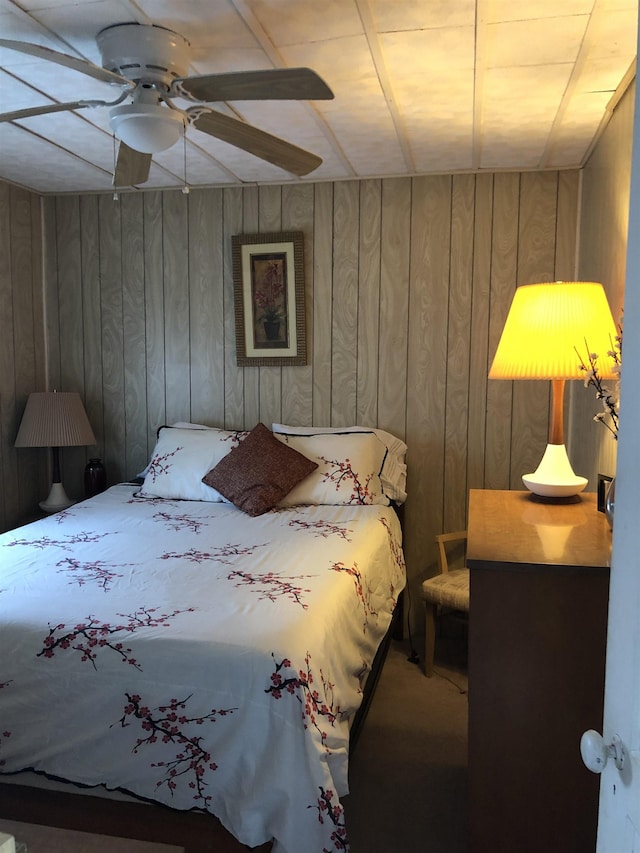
550 330
55 419
550 327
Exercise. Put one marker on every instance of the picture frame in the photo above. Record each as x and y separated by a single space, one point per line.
268 282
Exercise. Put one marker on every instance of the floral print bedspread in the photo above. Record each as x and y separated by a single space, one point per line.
187 653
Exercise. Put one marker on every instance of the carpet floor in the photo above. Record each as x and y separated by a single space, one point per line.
48 839
408 777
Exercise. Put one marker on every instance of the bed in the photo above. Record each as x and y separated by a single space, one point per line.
202 639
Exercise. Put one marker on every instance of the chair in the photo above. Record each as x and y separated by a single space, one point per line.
448 589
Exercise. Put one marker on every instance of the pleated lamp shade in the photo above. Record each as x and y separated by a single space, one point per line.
551 327
54 419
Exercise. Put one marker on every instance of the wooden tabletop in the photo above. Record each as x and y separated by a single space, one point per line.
507 529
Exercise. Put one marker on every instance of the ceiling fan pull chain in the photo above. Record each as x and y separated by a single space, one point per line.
115 196
185 188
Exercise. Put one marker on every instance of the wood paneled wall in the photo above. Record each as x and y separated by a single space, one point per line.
604 223
408 282
23 473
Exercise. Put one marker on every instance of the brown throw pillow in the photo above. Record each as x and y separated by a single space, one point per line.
259 472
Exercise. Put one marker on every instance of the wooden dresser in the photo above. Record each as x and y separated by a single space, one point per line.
537 635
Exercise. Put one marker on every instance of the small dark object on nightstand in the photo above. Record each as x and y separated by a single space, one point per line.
95 478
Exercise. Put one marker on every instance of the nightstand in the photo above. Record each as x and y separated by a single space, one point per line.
539 581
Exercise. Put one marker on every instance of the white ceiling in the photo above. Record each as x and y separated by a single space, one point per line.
420 86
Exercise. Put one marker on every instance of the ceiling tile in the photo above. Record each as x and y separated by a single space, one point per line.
508 10
420 86
290 22
59 172
391 16
539 42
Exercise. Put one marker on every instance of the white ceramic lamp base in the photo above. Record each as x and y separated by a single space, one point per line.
57 499
554 477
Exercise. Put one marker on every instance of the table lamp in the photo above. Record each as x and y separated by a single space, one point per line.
55 419
548 327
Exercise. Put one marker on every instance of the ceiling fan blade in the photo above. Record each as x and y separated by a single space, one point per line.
48 108
81 65
258 142
293 84
132 167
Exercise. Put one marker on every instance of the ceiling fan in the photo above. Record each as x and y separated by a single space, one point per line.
148 63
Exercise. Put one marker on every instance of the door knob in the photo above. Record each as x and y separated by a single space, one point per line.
595 753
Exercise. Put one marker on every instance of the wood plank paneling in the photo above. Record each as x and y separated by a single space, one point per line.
395 259
233 375
458 350
25 379
37 285
344 322
566 237
33 479
479 344
426 371
369 300
9 404
70 296
154 317
70 292
322 281
251 375
112 332
206 320
604 224
297 382
536 263
504 278
269 222
50 286
175 251
134 343
92 317
22 276
23 472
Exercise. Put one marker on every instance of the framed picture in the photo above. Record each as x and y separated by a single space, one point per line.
268 279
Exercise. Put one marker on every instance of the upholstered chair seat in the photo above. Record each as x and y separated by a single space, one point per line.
449 589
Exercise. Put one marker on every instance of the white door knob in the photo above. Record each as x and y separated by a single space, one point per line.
595 753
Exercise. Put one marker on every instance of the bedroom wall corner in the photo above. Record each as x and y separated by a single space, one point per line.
23 473
603 230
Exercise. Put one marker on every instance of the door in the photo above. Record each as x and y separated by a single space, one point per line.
619 813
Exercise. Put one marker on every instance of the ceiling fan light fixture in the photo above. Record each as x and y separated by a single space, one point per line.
147 128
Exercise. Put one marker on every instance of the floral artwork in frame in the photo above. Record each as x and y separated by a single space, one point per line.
268 278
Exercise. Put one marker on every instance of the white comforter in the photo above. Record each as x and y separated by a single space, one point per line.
190 654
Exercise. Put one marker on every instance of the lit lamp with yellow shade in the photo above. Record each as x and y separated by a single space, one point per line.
548 328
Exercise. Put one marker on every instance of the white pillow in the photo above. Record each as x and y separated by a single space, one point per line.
394 470
181 458
348 471
182 425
